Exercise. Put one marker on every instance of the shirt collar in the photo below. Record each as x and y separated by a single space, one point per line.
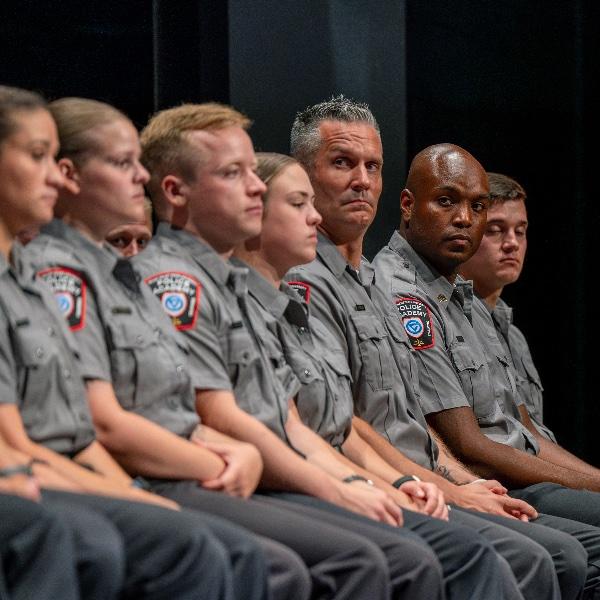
105 256
332 258
441 289
200 252
503 315
262 291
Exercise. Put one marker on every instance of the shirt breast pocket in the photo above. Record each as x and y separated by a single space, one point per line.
240 353
140 368
532 373
33 357
474 378
374 351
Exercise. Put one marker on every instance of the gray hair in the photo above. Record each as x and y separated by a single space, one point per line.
305 136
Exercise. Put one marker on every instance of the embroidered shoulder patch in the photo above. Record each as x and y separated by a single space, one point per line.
416 319
302 288
179 294
70 291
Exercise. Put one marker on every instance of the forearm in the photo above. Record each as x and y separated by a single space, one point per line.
391 455
102 462
553 453
283 469
361 453
515 468
402 463
449 467
144 448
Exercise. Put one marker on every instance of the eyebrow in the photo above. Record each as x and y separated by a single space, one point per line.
501 221
456 190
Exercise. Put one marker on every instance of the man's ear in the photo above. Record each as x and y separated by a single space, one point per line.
173 188
70 175
407 201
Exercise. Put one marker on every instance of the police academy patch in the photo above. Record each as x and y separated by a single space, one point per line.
416 319
179 294
302 288
70 291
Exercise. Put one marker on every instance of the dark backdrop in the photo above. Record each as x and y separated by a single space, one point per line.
514 82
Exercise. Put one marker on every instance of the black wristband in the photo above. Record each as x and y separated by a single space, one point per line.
352 478
402 480
26 469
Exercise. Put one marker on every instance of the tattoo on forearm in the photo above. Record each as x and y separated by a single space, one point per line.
446 474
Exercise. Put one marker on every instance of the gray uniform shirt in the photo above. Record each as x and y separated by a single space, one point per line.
227 353
123 335
461 360
384 374
324 400
529 384
39 370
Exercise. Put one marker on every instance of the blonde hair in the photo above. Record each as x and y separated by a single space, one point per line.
165 145
269 165
75 119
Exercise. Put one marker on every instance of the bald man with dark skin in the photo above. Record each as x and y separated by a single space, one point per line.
467 389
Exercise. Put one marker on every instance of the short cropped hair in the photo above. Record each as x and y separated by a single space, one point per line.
165 145
75 119
503 188
14 100
305 137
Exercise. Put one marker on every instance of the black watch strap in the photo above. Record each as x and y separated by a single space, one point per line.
402 480
26 469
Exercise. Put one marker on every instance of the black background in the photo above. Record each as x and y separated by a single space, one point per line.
513 81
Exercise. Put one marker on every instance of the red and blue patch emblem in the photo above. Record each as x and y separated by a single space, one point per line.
70 291
416 319
302 288
179 295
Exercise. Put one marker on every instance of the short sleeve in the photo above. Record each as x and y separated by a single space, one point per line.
8 367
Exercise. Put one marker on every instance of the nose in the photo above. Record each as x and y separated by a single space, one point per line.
360 180
54 177
131 249
510 241
314 216
463 215
255 185
141 174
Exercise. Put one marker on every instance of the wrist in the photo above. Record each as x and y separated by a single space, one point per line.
22 469
402 480
356 477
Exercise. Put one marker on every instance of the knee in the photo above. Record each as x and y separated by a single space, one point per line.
571 566
105 557
287 575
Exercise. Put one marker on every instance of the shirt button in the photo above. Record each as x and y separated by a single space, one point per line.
39 352
66 374
51 331
179 368
138 340
306 372
406 265
246 355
